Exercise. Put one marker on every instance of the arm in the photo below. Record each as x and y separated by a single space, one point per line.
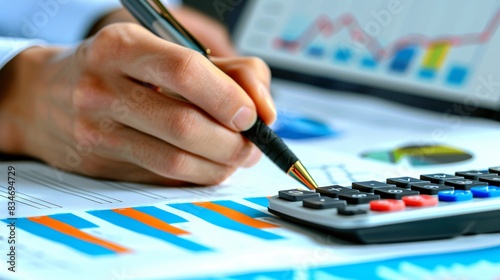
92 109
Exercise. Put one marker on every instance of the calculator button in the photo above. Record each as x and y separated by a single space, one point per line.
486 191
438 178
347 211
491 180
430 188
404 182
452 196
387 205
471 174
495 169
335 190
323 203
394 193
369 186
422 200
297 194
464 184
358 198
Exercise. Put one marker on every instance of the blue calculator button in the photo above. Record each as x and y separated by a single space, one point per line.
486 191
457 195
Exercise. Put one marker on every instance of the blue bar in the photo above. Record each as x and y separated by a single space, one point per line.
316 51
369 62
427 73
402 59
61 238
262 201
242 208
73 220
136 226
165 216
343 55
223 221
457 75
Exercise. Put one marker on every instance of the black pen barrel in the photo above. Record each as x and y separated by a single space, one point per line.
271 145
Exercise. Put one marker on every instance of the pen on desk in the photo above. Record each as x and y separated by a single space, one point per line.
155 17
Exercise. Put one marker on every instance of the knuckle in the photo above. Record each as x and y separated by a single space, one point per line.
178 163
184 125
114 40
184 69
226 101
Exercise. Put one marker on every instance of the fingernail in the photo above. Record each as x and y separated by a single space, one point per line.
244 118
253 158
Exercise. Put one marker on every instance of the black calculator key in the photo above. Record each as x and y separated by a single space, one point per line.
464 184
430 188
404 182
296 194
394 193
358 198
439 178
495 169
471 174
335 190
323 203
491 180
347 211
369 186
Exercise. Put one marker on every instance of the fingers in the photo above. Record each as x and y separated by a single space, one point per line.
181 124
133 51
156 156
254 76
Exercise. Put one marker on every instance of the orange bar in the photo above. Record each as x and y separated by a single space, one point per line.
149 220
76 233
235 215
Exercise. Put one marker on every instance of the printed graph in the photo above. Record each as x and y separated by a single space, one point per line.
67 229
150 221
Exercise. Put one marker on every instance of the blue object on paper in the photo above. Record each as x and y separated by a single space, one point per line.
291 125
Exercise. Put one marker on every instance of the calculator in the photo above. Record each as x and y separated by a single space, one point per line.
433 206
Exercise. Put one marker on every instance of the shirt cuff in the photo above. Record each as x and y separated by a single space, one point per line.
10 47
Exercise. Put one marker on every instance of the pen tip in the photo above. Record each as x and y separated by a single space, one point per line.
299 173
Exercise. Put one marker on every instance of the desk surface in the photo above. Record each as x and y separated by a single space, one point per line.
130 231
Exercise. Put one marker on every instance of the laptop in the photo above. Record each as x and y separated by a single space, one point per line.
442 56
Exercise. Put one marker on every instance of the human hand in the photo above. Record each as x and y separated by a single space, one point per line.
106 109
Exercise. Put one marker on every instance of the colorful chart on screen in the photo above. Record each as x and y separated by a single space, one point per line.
439 49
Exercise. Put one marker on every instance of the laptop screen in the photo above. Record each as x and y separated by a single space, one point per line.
440 50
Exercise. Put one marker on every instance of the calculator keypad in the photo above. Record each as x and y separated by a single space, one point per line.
394 204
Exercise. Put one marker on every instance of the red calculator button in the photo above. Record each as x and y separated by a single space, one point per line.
387 205
422 200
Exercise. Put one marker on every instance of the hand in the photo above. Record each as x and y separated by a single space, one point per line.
106 109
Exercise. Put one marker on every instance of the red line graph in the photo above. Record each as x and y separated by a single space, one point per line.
324 26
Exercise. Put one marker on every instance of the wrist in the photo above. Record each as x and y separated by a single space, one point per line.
19 80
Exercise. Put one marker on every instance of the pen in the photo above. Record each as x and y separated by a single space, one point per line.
153 15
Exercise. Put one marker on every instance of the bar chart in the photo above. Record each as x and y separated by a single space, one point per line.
153 222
